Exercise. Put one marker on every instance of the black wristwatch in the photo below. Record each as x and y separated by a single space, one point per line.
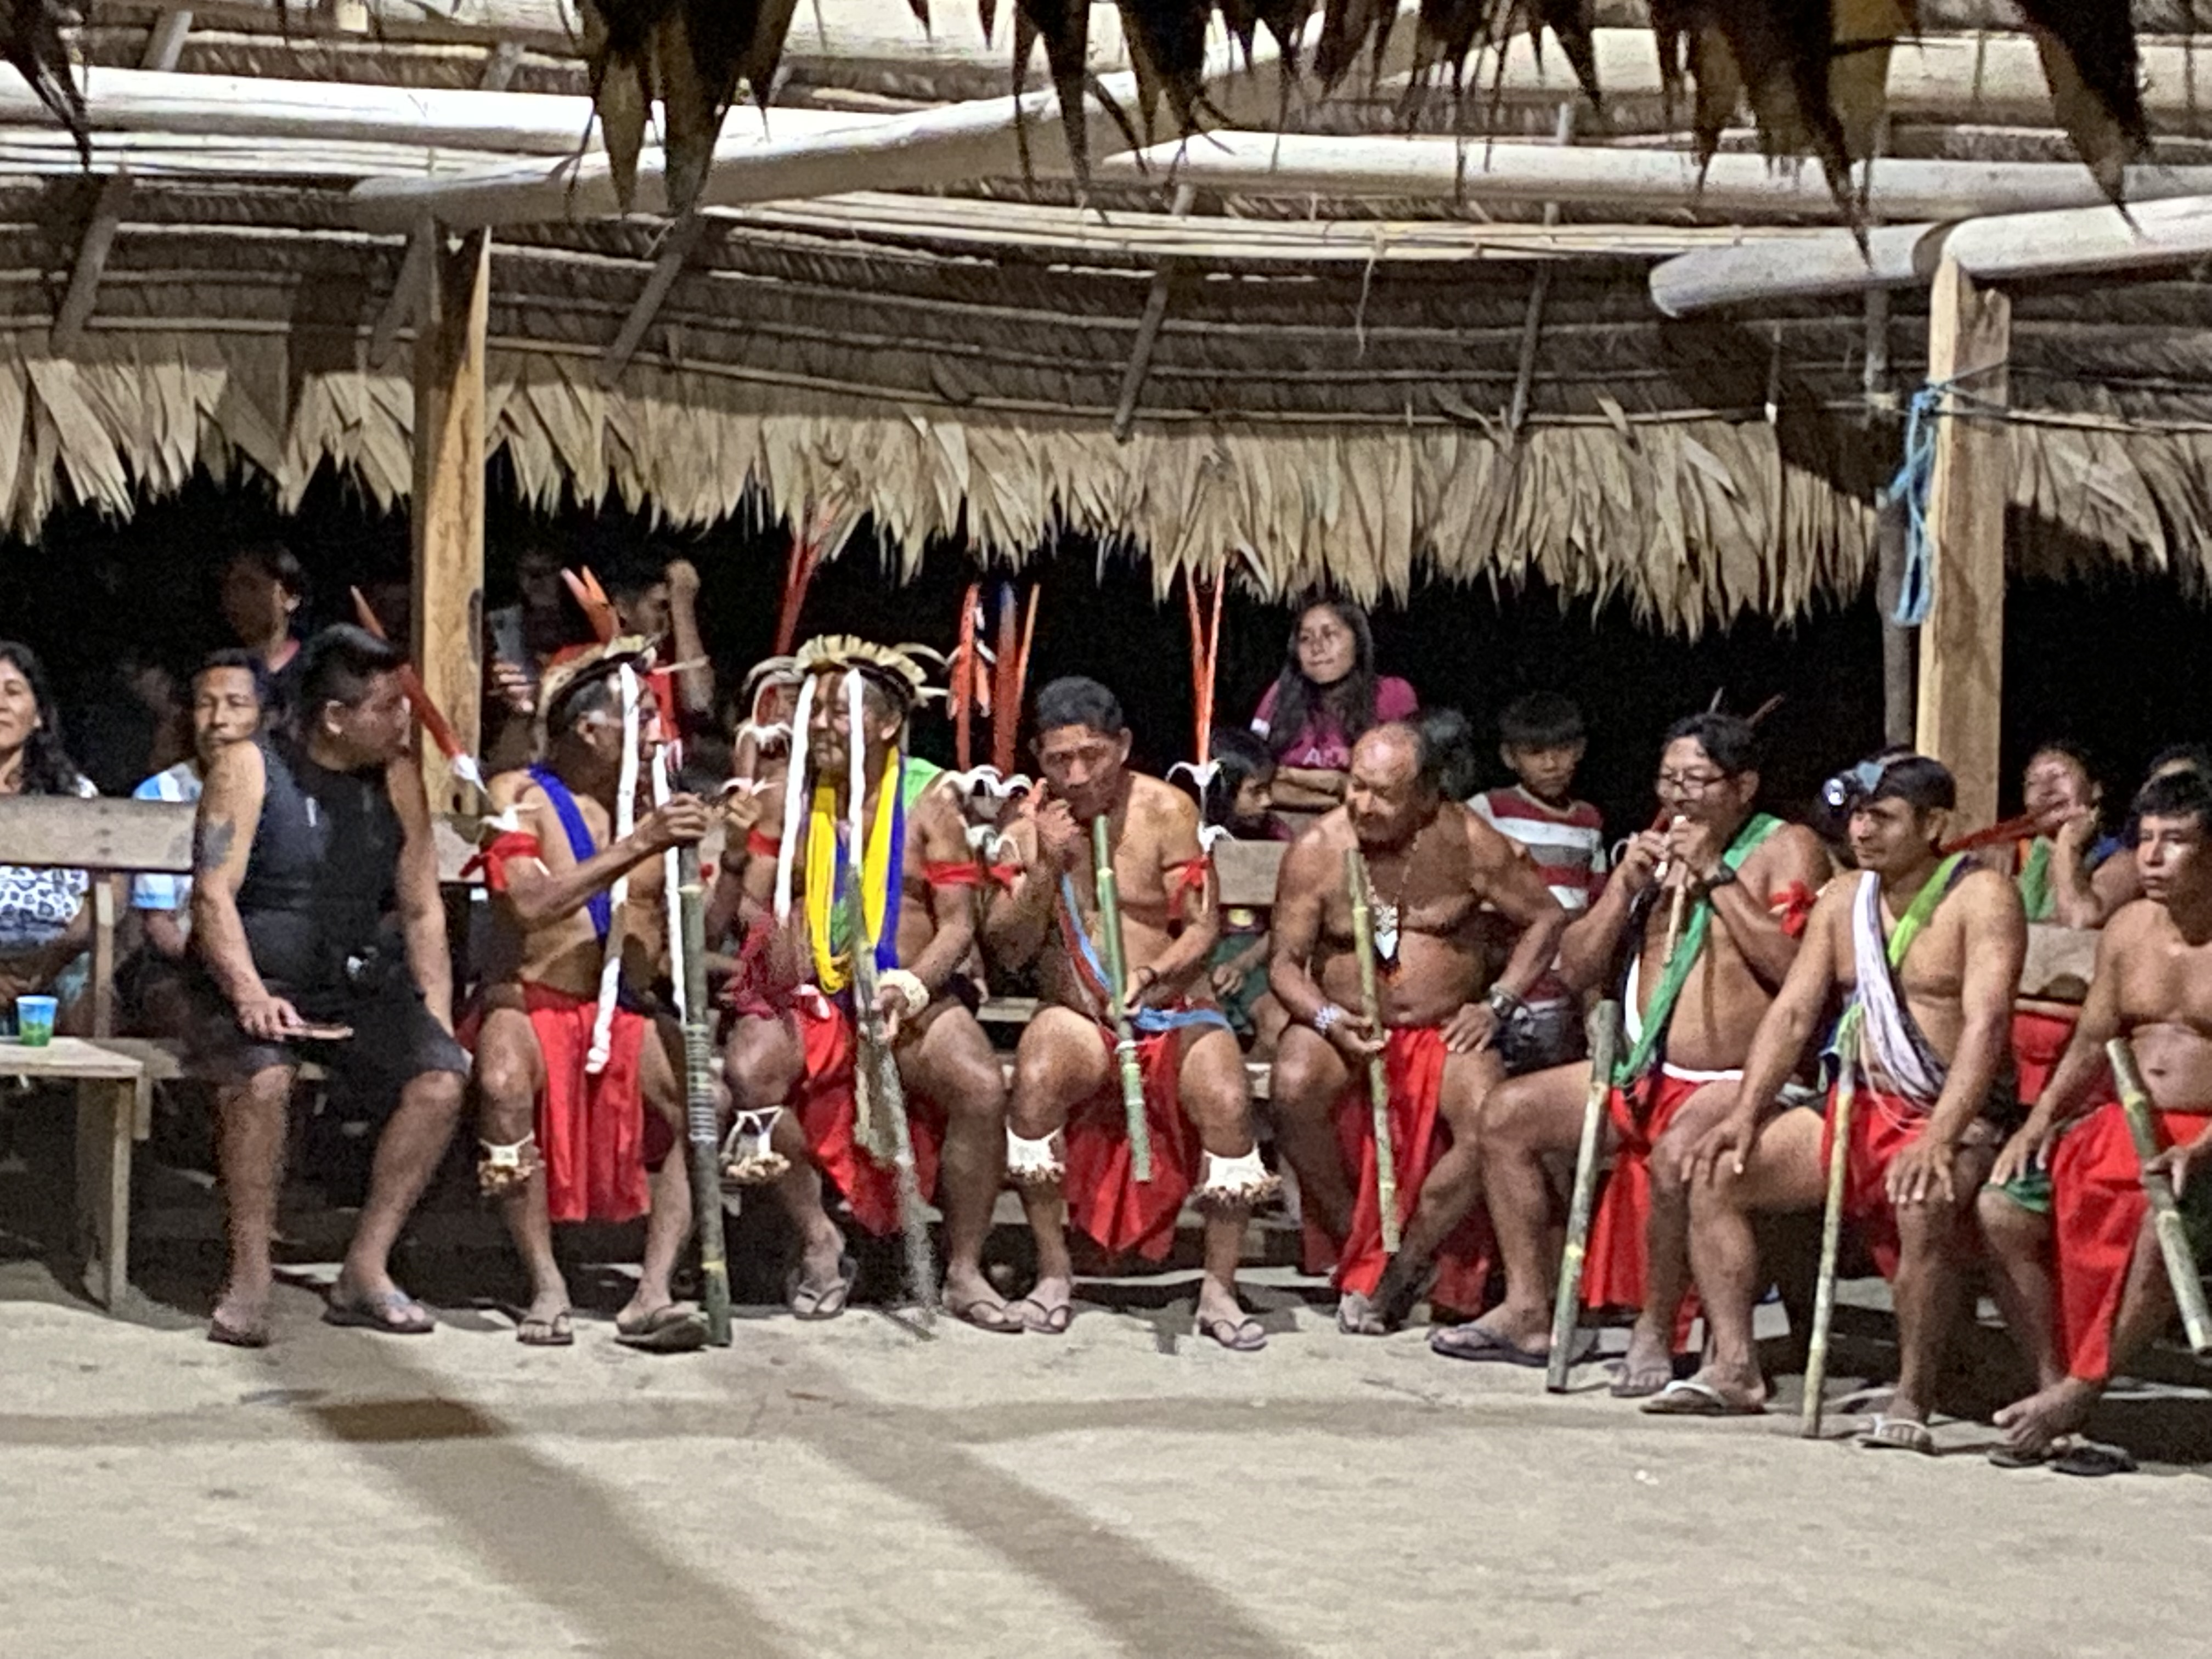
1724 876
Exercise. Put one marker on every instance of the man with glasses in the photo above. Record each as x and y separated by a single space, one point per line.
1697 928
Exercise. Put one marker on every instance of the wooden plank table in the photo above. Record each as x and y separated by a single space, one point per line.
113 1109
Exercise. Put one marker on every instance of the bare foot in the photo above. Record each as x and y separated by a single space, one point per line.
1049 1308
545 1323
2030 1425
1649 1365
1357 1316
241 1319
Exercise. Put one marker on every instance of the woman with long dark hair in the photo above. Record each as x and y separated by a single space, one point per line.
45 922
1327 698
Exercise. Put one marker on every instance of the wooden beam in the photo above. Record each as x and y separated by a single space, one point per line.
447 507
165 41
1962 642
107 211
1148 328
399 306
499 66
675 250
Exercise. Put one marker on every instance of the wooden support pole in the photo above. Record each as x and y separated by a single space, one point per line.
675 250
165 41
1148 328
1962 642
406 293
448 504
107 211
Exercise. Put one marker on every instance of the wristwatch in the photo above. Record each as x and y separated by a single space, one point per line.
1724 876
1503 1003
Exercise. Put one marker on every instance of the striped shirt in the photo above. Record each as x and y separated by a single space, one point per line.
1568 847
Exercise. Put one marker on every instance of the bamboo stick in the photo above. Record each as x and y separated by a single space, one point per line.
1117 979
700 1108
2181 1268
1378 1074
1831 1221
1566 1309
882 1065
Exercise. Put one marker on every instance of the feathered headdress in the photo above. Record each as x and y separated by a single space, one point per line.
902 670
588 663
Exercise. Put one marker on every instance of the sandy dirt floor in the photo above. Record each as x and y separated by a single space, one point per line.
853 1489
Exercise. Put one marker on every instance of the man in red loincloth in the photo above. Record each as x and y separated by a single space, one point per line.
1432 865
581 1104
1742 884
2089 1226
1929 949
1068 1145
900 858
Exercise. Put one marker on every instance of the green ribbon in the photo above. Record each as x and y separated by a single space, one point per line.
1748 840
2034 880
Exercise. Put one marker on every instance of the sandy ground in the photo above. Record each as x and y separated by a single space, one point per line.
853 1489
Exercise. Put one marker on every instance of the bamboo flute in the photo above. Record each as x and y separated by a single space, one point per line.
1378 1074
2181 1267
1605 1042
1831 1220
701 1109
1117 1009
882 1066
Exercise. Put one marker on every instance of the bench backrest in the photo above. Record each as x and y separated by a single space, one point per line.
1244 871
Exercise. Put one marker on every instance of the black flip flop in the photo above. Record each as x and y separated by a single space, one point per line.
368 1314
1473 1342
992 1317
2092 1460
672 1329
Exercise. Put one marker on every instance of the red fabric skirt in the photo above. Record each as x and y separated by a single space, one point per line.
828 1113
1883 1126
1413 1060
594 1133
1616 1273
2097 1210
1106 1202
2039 1040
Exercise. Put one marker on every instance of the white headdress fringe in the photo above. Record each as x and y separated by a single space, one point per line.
603 1022
794 797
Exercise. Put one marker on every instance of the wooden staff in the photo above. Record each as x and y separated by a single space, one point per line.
1832 1219
1117 978
1378 1074
882 1066
700 1110
1567 1309
2166 1213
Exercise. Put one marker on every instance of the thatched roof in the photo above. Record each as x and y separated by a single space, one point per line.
954 367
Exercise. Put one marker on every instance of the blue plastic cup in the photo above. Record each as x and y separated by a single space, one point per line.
34 1021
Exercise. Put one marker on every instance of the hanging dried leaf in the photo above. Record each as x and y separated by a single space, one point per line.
2089 58
617 42
1167 49
1065 26
30 39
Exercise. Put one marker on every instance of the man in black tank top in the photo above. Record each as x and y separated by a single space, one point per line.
317 919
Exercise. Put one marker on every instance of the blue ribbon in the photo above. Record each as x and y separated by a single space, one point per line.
1152 1022
600 906
1915 479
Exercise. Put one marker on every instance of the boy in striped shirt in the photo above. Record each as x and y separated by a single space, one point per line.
1542 739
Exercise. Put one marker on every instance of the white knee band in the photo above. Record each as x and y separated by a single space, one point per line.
1033 1163
1235 1184
748 1159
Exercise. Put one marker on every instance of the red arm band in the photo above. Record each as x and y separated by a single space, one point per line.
1006 875
952 873
1188 878
491 862
1793 906
759 846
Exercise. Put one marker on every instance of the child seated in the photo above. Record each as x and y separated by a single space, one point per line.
1237 799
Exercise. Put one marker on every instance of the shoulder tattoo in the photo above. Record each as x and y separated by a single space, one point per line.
211 844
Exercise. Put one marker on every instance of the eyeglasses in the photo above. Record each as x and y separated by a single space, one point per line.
1688 783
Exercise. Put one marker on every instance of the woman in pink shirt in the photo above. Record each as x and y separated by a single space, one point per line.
1327 697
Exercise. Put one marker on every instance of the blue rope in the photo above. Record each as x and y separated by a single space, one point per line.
1916 592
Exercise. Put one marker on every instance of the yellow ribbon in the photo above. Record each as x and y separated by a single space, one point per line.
878 881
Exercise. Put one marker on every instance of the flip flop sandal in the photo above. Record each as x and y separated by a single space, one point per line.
1244 1335
373 1314
1050 1321
237 1336
672 1329
2007 1457
1473 1342
1691 1398
1641 1383
1357 1316
808 1304
557 1332
2091 1460
1886 1433
992 1317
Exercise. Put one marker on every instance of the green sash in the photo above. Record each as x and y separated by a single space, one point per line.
1748 840
2034 880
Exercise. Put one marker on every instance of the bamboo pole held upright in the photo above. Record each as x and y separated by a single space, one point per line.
448 506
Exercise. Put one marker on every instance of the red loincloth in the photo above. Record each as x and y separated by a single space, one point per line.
829 1112
594 1133
1616 1273
1106 1202
1883 1126
1414 1059
2097 1209
2039 1041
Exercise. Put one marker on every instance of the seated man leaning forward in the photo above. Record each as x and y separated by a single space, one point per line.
317 916
2154 986
1696 929
580 1098
1068 1088
1432 866
898 856
1929 949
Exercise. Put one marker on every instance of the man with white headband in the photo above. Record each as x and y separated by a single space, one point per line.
860 832
582 1102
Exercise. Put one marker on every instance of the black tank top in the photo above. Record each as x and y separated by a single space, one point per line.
322 878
